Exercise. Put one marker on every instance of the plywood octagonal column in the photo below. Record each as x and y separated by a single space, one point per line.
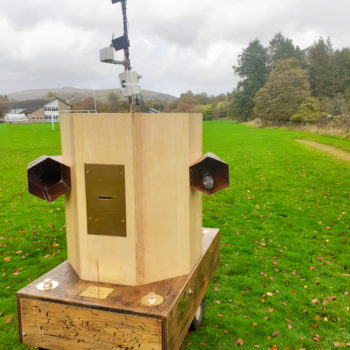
146 159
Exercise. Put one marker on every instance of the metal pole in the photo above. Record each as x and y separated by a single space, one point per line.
127 63
95 101
125 18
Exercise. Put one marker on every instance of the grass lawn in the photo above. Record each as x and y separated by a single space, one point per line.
284 277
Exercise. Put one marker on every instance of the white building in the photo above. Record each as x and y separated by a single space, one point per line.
51 111
36 111
15 118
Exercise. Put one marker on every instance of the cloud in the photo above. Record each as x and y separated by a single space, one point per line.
176 45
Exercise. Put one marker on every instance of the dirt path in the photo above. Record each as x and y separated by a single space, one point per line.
334 151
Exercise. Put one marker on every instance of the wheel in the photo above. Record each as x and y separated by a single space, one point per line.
198 317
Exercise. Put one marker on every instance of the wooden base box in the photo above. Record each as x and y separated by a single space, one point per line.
90 315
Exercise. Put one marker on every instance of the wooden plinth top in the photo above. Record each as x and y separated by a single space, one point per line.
123 299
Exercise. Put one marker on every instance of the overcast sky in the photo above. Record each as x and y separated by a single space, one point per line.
175 45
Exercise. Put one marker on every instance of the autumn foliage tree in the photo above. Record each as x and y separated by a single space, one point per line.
3 106
51 94
89 105
3 110
116 104
286 89
186 103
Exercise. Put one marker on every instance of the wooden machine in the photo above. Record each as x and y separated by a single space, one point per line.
139 263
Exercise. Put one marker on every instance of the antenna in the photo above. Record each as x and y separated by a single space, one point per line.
129 80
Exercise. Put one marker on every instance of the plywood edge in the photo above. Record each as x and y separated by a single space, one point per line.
97 115
80 236
139 241
102 308
195 197
167 114
72 225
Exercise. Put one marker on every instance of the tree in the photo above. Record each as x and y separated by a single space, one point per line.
156 104
282 48
3 106
89 105
322 67
337 105
114 102
286 88
186 103
203 98
206 110
51 94
3 110
231 105
342 59
253 69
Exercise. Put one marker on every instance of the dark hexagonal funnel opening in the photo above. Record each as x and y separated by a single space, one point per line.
46 173
209 174
48 178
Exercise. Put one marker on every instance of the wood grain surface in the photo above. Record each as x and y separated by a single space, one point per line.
168 212
99 139
56 326
163 214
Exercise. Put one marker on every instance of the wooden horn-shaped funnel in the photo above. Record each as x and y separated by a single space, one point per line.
209 174
48 178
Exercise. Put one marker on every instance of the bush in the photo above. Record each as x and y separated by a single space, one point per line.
206 110
308 112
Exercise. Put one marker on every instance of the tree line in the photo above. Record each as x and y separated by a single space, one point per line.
212 107
282 83
278 83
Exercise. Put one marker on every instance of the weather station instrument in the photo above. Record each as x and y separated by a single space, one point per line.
139 262
129 79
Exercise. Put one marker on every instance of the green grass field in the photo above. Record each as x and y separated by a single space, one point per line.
284 277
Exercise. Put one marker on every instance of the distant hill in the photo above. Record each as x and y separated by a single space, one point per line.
72 95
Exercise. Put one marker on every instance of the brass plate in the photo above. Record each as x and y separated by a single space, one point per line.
97 292
105 199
